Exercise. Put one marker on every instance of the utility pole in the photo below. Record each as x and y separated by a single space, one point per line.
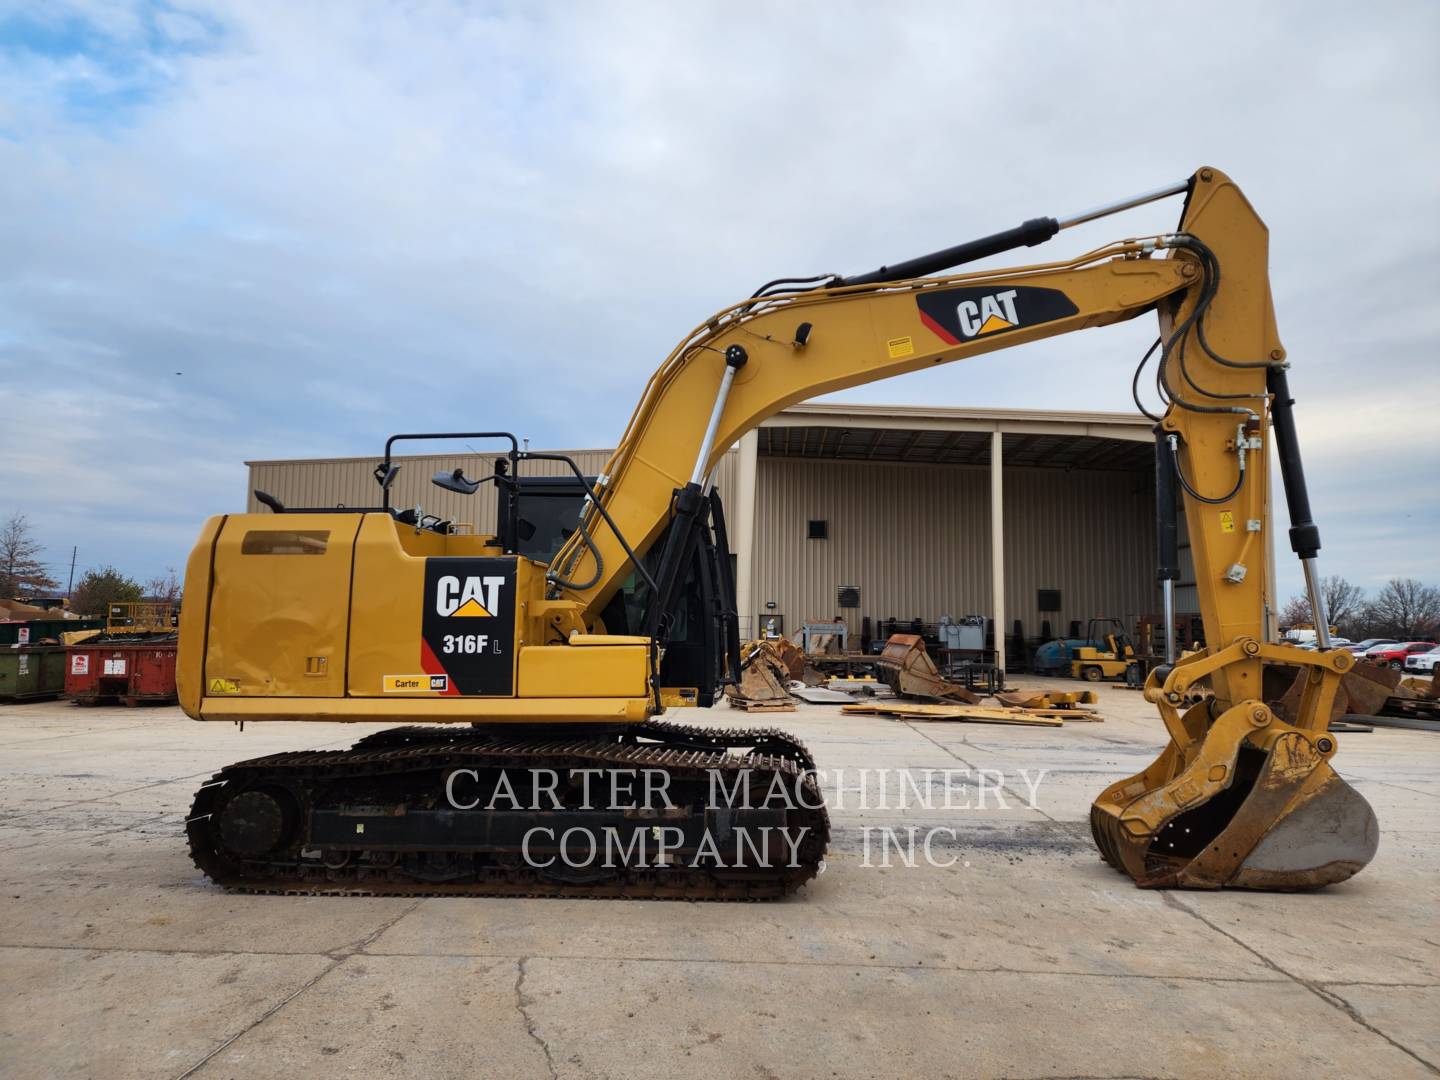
75 550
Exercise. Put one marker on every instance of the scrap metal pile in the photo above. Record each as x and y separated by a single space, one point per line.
775 672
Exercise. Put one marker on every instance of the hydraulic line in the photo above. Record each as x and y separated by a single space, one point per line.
1135 381
1175 345
1213 274
560 582
765 289
1180 475
1185 372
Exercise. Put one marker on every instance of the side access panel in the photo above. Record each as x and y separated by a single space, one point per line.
437 626
280 605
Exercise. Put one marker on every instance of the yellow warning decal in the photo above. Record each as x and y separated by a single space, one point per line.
415 684
471 609
993 323
1227 521
900 347
224 686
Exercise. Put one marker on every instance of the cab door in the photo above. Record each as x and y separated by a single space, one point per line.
280 605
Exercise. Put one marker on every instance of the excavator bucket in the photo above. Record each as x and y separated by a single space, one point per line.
790 655
1241 800
763 674
907 669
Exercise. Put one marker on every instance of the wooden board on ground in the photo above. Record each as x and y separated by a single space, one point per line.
1046 699
762 706
910 710
1075 716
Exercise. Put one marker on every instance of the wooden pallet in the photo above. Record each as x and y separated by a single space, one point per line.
978 714
761 706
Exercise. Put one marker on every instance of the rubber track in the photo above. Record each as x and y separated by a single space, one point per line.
305 769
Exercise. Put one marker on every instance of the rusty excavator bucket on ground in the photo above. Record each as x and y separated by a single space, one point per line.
907 669
764 674
1241 797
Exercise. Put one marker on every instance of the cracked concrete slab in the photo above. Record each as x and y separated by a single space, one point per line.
394 1016
658 1019
1026 957
1390 1010
123 1014
1027 917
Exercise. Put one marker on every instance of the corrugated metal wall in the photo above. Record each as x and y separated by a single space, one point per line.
917 541
1090 534
348 481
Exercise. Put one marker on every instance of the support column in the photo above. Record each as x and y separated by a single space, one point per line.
997 544
743 539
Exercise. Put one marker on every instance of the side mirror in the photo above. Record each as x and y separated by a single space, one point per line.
385 477
456 482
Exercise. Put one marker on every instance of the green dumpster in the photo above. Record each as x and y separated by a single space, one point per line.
31 671
33 631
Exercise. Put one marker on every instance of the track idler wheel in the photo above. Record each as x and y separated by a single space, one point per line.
1255 805
256 823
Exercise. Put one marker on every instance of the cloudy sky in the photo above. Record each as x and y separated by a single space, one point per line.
249 230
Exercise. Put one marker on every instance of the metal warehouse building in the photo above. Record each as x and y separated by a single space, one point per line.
912 513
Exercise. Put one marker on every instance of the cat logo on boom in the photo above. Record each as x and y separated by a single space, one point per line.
961 315
475 598
995 311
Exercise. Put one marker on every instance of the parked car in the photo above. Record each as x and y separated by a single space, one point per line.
1360 648
1423 663
1335 643
1394 654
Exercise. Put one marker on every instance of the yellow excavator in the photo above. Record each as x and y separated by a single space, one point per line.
532 760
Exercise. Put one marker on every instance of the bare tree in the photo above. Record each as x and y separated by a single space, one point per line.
1344 603
21 571
164 589
1296 612
1405 609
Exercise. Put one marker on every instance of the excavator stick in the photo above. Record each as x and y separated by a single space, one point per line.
907 669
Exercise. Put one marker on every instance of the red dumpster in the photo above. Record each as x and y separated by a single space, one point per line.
130 668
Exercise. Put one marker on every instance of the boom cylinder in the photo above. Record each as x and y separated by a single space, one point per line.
1035 231
689 506
735 357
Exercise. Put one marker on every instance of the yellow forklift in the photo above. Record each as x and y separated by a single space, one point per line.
1108 652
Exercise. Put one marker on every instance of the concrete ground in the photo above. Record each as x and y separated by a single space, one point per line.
1025 958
